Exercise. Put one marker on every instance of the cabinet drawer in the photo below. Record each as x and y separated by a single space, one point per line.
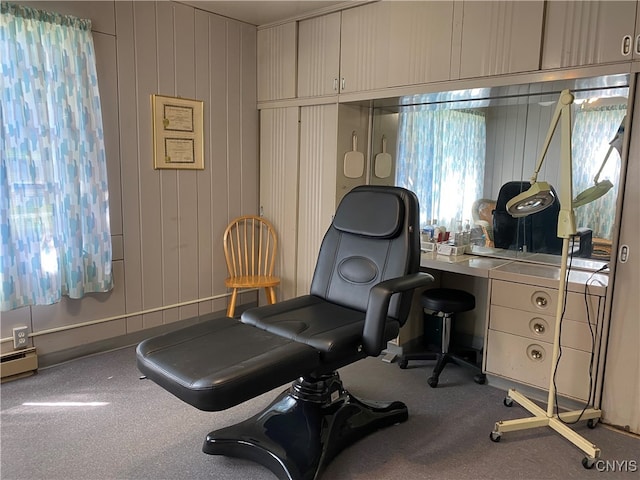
528 361
543 301
541 327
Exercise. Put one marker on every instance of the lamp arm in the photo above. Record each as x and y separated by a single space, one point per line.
566 217
604 162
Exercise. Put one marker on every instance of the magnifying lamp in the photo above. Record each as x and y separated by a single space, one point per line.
533 200
539 196
601 187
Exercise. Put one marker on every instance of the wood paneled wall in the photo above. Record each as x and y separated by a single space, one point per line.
167 225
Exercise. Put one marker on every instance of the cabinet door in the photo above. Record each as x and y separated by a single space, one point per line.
500 37
364 47
420 42
279 187
622 377
588 33
319 56
317 191
276 52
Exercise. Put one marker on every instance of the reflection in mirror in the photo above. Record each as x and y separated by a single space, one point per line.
458 149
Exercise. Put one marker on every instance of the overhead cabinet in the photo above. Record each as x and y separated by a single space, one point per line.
500 37
419 42
276 53
319 56
590 33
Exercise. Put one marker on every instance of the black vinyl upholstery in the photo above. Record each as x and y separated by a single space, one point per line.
360 296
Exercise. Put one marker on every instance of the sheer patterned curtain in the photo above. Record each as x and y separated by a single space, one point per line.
54 202
593 129
441 157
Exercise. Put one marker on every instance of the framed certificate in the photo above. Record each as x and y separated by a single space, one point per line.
177 133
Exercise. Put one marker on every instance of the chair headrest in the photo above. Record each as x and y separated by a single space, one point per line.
370 214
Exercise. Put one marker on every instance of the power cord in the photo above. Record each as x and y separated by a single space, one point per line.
590 395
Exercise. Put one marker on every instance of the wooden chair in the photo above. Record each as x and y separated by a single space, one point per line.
250 245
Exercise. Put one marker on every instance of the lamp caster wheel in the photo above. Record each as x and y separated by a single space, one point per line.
588 462
508 401
432 381
495 436
403 363
480 379
592 423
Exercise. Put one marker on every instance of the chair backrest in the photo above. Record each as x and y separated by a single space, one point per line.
533 233
374 236
250 246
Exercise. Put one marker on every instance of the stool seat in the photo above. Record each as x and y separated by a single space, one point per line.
448 300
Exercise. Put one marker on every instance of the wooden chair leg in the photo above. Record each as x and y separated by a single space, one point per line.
231 308
271 295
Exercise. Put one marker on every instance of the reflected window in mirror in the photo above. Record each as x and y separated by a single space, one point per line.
441 156
594 128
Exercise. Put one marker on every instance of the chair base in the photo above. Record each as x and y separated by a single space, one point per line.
304 428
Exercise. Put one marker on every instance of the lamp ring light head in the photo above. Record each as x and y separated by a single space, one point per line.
538 197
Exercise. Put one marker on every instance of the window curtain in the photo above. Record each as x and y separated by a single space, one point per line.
593 129
441 157
54 208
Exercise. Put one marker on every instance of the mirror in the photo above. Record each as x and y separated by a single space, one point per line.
458 149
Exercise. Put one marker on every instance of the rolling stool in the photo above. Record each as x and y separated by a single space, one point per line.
445 302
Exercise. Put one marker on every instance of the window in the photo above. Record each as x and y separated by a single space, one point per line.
54 201
441 156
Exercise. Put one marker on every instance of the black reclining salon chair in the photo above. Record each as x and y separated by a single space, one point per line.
360 296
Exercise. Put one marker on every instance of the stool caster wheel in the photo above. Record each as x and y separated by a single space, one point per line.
508 401
588 462
480 378
495 436
432 382
592 423
402 363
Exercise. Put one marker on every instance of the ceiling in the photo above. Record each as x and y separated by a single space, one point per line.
263 12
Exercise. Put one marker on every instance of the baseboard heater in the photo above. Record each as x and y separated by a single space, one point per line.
18 364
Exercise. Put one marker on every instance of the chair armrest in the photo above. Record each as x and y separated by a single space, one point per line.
378 306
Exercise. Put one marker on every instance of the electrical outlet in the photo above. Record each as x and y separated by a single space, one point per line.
20 337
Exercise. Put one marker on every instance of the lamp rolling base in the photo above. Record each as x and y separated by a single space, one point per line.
304 428
541 419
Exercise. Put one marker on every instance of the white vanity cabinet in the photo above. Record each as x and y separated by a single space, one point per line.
590 33
319 56
521 333
276 52
498 38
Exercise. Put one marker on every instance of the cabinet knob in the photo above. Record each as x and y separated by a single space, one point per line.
625 48
536 354
541 301
538 328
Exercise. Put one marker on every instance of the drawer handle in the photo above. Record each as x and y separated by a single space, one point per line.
538 328
541 301
536 354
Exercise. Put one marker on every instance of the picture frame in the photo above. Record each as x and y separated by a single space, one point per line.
177 133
